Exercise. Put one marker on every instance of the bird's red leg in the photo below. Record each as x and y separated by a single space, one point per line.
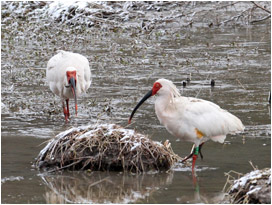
193 155
67 103
65 112
193 163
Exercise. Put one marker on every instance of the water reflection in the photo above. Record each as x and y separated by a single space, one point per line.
102 187
198 198
111 187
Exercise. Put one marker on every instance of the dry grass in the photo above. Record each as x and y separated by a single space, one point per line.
105 147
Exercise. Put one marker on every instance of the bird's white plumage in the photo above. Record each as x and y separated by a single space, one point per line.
56 73
184 116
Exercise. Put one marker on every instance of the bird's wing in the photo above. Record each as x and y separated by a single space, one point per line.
54 73
209 118
84 72
87 76
56 66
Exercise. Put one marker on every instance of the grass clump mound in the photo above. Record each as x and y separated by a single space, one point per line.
106 147
251 188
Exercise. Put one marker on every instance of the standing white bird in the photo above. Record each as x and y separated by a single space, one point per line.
190 119
68 75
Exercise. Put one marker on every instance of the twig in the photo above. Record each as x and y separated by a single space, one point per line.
261 7
202 85
230 179
210 10
250 162
234 17
262 19
97 182
240 83
61 168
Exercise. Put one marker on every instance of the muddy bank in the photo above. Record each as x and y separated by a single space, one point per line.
142 15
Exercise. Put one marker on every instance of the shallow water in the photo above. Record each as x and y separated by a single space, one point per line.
124 68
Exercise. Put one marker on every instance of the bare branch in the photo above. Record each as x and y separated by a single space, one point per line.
234 17
262 19
261 7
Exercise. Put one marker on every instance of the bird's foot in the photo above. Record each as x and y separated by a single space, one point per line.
66 115
190 155
66 119
186 158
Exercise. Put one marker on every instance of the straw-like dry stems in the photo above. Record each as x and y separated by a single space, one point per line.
105 147
254 187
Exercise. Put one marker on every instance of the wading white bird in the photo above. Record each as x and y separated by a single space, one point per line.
68 75
190 119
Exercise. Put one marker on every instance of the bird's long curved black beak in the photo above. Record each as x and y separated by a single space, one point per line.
148 95
73 86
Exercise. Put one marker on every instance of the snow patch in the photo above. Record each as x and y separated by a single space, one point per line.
135 145
11 178
254 175
253 190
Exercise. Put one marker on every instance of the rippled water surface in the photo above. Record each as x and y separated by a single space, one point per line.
124 66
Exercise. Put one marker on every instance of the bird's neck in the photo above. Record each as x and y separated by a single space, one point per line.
162 104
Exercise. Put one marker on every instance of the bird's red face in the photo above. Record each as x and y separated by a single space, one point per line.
71 74
156 87
72 80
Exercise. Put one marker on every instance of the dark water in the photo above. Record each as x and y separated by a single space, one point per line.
124 68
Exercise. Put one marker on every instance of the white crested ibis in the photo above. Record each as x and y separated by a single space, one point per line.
190 119
68 75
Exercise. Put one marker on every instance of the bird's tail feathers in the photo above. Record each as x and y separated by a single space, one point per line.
219 138
236 125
